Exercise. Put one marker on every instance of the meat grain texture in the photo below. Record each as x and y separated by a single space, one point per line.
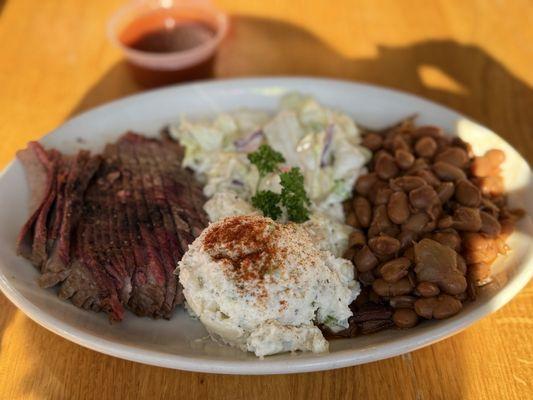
109 229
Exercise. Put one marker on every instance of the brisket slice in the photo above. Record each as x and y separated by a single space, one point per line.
112 229
82 170
39 166
149 278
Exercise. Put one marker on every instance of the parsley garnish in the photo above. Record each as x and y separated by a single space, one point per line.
267 201
266 159
292 197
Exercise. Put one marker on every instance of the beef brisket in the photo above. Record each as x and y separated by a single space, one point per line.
111 229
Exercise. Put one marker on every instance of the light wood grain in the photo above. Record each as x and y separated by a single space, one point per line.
474 56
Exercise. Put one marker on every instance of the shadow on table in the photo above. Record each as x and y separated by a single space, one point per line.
480 86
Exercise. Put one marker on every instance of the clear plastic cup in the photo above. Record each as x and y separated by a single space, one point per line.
155 67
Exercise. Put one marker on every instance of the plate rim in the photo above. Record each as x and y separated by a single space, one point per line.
340 359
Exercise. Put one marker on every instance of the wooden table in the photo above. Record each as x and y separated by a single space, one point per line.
474 56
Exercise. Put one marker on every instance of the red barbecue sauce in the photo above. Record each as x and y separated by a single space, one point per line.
163 31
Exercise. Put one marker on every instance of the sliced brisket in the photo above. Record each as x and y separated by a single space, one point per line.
112 228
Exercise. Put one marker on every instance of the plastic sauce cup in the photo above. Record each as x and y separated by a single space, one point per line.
168 41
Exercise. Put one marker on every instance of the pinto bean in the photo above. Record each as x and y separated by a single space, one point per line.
372 141
364 183
405 318
448 238
351 219
404 159
407 183
427 289
440 307
381 223
364 259
384 245
466 219
356 239
432 131
445 191
398 207
426 147
416 222
445 222
454 156
404 301
490 185
488 164
385 166
387 289
382 195
489 224
420 164
363 211
429 177
448 172
394 270
467 194
423 197
479 273
479 248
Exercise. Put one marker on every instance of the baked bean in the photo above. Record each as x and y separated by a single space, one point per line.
454 156
409 253
387 289
396 269
351 219
381 223
356 239
366 278
407 183
461 264
364 259
405 318
404 159
426 147
363 211
376 189
448 172
490 185
364 183
467 219
429 177
467 194
445 191
440 307
448 238
489 224
479 273
427 289
398 208
372 141
488 164
445 222
384 245
416 222
399 143
479 248
404 301
419 165
407 238
429 130
349 253
382 195
507 226
423 197
385 166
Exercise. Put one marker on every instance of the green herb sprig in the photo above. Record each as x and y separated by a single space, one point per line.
293 196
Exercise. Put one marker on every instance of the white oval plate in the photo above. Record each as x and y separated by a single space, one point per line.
180 343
